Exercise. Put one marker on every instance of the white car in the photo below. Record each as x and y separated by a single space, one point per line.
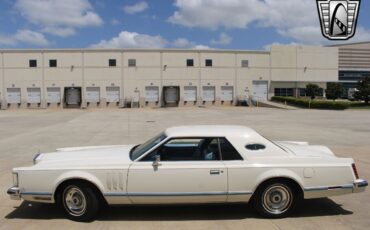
189 164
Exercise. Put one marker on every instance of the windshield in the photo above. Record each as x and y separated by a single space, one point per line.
139 150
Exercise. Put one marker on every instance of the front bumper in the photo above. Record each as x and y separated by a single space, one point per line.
359 185
14 193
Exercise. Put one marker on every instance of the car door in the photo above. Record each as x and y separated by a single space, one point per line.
189 171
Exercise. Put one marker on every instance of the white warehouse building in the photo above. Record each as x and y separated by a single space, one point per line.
159 77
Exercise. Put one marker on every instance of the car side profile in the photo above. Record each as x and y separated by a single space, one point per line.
187 165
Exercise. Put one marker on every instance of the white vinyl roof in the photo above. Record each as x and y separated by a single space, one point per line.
210 131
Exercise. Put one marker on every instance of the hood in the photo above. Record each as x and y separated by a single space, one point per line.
89 156
306 150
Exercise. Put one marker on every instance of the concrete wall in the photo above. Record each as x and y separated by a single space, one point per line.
161 68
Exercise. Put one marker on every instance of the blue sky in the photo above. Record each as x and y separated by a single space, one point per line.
223 24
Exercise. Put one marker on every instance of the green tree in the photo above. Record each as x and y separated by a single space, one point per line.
312 90
363 92
334 91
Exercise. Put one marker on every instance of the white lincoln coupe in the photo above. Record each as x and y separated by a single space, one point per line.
187 165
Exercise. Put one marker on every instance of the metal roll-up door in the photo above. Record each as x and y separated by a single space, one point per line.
54 95
171 94
33 95
190 93
112 94
14 95
151 94
73 96
227 93
209 93
92 94
260 90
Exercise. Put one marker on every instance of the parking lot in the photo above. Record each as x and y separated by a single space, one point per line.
26 132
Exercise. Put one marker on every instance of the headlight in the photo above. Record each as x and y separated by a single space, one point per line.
35 158
15 179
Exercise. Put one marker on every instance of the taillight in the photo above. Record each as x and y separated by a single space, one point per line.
355 171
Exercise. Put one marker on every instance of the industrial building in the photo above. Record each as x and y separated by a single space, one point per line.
63 78
354 64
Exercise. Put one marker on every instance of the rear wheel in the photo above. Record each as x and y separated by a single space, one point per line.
275 200
79 202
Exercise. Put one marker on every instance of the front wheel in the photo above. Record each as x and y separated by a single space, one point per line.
79 202
275 200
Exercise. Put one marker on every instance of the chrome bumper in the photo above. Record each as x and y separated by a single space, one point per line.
359 185
14 193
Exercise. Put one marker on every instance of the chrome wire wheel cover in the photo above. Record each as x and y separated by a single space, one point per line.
74 201
277 199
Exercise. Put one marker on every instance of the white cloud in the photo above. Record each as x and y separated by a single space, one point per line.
224 39
128 39
201 47
182 43
61 32
115 22
7 41
136 8
186 44
25 37
295 19
57 17
216 13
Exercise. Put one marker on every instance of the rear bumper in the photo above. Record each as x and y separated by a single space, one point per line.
359 185
14 193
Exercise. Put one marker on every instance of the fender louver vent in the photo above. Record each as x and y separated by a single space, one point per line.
115 180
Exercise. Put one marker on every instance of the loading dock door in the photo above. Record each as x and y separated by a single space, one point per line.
208 93
190 93
53 95
113 94
227 93
92 94
171 94
151 93
14 95
33 95
260 90
73 96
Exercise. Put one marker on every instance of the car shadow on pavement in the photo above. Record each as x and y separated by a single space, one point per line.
308 208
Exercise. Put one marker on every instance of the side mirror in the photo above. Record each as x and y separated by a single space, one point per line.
157 160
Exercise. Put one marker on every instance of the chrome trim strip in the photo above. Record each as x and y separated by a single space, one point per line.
321 188
36 193
180 194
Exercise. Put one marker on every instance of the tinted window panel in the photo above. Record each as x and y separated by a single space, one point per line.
189 62
112 62
33 63
228 151
187 149
53 63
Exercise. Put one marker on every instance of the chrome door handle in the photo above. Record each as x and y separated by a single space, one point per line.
214 172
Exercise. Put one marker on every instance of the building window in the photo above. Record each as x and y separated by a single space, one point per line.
53 63
131 62
33 63
245 63
112 62
302 92
190 62
209 62
284 92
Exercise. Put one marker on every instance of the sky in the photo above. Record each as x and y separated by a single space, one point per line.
184 24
